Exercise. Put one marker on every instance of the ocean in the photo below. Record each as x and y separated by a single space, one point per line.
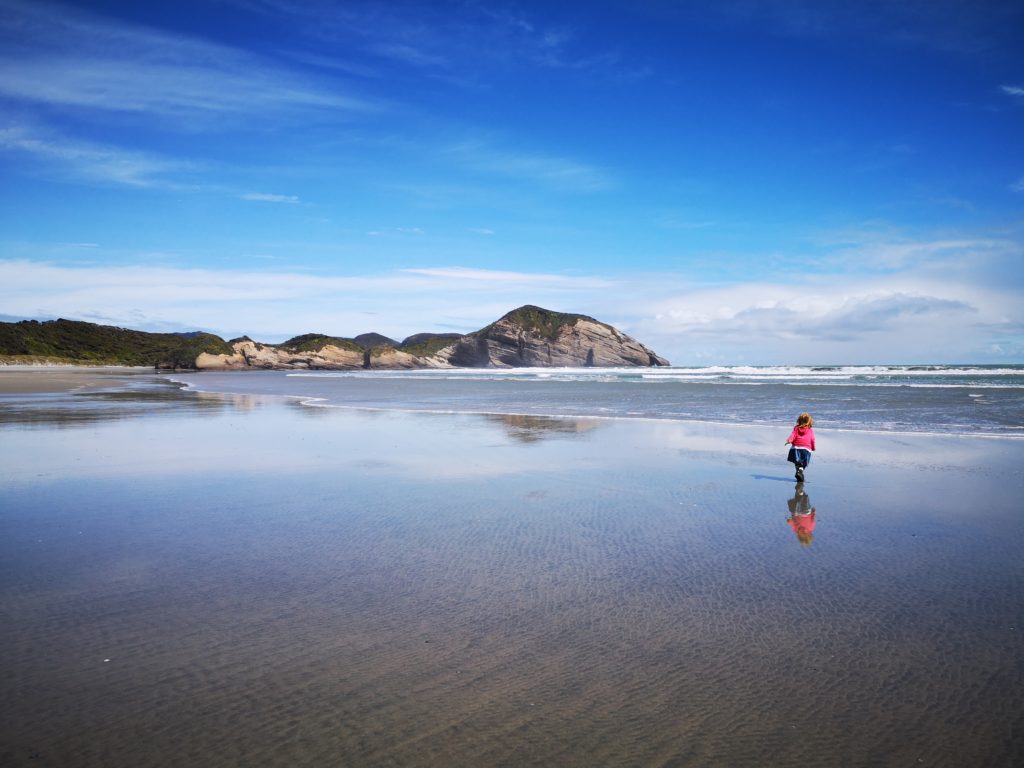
931 399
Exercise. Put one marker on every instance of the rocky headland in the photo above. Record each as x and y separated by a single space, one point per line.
525 337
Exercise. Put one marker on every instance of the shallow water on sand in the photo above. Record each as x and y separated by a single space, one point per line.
918 399
247 581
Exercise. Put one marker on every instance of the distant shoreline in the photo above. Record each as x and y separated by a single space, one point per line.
5 366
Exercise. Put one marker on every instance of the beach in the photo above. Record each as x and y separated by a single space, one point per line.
216 578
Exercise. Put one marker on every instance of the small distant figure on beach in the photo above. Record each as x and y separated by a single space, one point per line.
801 516
801 440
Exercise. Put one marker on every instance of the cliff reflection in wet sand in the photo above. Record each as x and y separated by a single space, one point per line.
148 397
530 429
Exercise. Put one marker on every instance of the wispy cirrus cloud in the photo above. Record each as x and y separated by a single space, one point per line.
65 57
91 162
1013 90
265 197
478 277
872 247
555 172
898 255
460 43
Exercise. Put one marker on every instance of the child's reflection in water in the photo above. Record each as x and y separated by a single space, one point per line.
801 516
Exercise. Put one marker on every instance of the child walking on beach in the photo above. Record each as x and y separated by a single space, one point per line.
801 440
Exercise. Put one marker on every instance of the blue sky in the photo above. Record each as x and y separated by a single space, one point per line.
735 182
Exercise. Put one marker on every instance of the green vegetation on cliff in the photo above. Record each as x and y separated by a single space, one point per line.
371 340
427 344
543 322
314 342
73 341
184 355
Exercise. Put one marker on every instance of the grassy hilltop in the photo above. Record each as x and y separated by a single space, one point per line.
81 343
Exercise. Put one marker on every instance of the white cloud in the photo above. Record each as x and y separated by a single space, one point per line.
264 197
61 56
276 305
838 317
555 172
94 162
864 248
883 314
947 311
1012 90
397 232
477 277
459 44
829 320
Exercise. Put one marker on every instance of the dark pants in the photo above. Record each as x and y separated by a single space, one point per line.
799 456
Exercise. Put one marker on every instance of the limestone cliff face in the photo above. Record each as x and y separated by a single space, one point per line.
208 362
533 337
250 354
391 358
526 337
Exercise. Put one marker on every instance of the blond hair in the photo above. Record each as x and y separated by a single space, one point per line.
805 420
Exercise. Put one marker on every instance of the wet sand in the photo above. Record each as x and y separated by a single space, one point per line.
246 581
38 379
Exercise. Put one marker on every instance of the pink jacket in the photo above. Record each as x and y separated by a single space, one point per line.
802 437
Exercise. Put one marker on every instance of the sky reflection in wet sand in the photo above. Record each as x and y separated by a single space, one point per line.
275 584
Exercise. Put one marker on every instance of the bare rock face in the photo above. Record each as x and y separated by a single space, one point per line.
397 359
251 354
535 337
526 337
259 355
334 357
208 362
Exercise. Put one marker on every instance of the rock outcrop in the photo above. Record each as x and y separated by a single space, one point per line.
526 337
391 358
287 356
534 337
